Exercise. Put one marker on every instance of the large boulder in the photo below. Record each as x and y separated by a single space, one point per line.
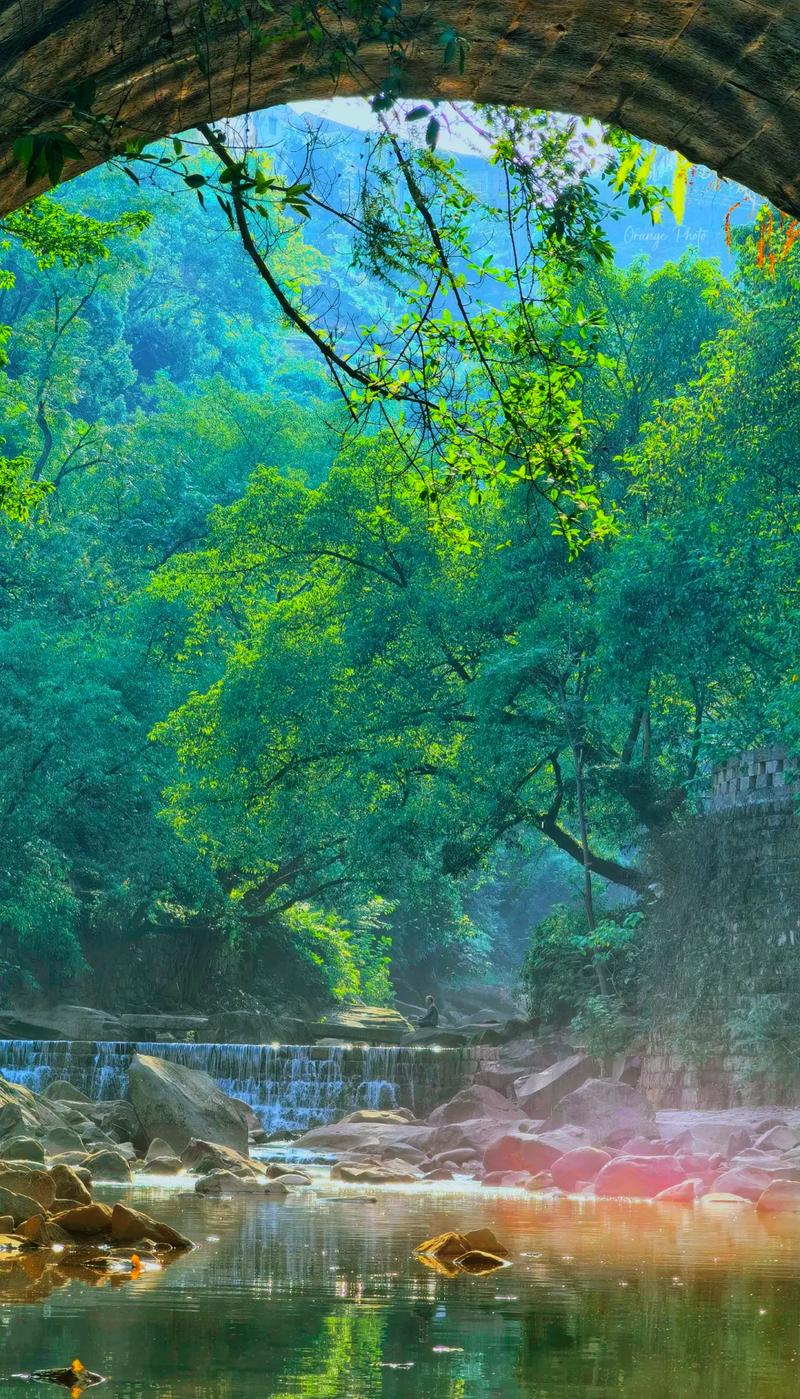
202 1157
116 1118
85 1221
20 1207
611 1112
475 1101
61 1091
178 1104
68 1185
538 1093
66 1022
108 1165
364 1024
516 1151
780 1197
38 1185
341 1137
129 1226
711 1134
639 1177
747 1181
577 1167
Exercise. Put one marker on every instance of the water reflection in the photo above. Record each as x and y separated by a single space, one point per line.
323 1300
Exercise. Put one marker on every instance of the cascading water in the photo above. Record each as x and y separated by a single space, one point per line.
289 1087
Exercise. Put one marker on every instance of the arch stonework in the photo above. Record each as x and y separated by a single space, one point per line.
717 79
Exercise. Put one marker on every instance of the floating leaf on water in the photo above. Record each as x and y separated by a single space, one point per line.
74 1377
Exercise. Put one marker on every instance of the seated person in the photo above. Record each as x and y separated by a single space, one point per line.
431 1017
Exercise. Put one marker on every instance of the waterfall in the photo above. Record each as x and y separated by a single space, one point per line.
289 1087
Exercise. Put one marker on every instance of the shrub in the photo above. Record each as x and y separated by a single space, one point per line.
567 965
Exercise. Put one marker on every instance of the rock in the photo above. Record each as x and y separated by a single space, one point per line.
370 1174
129 1226
514 1151
39 1230
712 1135
577 1167
387 1115
341 1137
458 1156
86 1220
62 1091
202 1157
475 1135
158 1149
243 1027
179 1104
446 1039
446 1247
638 1177
778 1138
749 1182
163 1166
486 1242
607 1110
116 1118
780 1197
364 1024
20 1207
36 1184
642 1146
108 1165
723 1199
681 1194
438 1173
276 1190
543 1180
66 1022
227 1183
499 1077
515 1180
472 1102
62 1139
539 1093
23 1149
292 1178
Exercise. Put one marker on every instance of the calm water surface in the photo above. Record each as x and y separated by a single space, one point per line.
320 1300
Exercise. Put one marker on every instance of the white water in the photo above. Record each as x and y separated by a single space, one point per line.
289 1087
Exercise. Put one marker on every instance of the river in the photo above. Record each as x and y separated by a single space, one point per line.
321 1298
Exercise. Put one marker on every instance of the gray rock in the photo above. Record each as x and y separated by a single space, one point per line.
22 1149
539 1093
20 1207
607 1109
178 1104
227 1183
108 1165
61 1091
475 1101
62 1139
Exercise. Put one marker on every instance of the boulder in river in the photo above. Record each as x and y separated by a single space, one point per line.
577 1167
178 1104
61 1091
780 1197
638 1177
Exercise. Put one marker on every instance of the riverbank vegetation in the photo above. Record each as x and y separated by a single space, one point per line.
336 616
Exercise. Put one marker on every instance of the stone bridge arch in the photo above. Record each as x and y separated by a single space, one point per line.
717 79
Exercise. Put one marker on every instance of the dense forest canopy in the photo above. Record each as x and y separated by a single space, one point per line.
323 631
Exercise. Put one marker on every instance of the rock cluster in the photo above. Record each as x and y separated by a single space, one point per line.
600 1139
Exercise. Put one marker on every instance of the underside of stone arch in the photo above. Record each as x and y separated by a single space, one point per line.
718 80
